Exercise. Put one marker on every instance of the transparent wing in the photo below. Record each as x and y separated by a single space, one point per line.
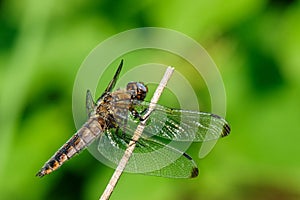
112 83
155 153
149 157
180 125
90 104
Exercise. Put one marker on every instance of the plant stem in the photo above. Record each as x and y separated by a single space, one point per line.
138 132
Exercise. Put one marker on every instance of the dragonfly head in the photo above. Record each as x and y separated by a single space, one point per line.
138 90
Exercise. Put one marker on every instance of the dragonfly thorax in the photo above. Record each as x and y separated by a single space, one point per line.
138 90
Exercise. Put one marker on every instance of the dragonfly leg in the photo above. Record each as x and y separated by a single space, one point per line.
139 115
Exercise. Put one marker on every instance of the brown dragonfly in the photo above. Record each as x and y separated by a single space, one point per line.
112 119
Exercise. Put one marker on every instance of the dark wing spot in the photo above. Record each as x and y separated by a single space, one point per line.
187 156
195 170
226 127
215 116
194 173
226 130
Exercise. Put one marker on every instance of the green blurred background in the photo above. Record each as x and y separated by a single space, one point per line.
255 44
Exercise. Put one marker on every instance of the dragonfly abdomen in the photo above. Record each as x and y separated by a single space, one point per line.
79 141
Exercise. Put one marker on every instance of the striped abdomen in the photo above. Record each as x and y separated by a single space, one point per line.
84 136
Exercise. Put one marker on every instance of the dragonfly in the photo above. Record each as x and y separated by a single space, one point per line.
113 118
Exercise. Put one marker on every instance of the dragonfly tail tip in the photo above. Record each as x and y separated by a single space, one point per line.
40 174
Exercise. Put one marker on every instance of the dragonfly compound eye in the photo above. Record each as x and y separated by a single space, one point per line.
138 90
141 90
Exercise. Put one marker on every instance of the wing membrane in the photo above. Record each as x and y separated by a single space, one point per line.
149 157
185 125
154 153
179 125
